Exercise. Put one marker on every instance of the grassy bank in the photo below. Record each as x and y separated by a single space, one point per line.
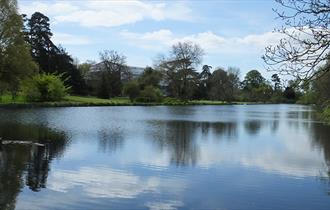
325 114
7 101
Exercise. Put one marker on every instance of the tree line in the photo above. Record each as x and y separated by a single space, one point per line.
31 64
177 75
28 57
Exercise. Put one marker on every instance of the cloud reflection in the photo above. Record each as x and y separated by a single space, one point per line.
109 183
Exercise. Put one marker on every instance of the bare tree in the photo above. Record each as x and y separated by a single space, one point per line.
115 71
180 68
306 41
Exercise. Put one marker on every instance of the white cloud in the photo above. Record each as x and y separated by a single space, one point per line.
169 205
110 13
47 8
69 39
109 183
115 184
208 40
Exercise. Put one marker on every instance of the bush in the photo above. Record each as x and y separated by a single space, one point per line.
326 114
150 94
132 90
44 87
308 98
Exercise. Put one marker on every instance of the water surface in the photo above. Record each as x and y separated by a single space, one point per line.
200 157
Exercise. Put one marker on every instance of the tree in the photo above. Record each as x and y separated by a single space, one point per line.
84 68
38 35
132 90
306 39
150 94
150 77
204 84
115 71
253 79
224 85
277 82
63 64
16 63
180 69
255 87
233 81
51 58
218 85
263 93
321 86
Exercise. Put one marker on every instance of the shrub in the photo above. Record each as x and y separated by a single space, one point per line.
326 114
132 90
308 98
44 87
150 94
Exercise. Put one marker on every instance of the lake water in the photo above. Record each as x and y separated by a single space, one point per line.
200 157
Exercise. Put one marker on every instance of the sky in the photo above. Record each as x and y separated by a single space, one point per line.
232 33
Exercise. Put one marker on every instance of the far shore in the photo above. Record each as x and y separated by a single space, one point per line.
83 101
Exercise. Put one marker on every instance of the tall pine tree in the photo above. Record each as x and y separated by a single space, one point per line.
51 58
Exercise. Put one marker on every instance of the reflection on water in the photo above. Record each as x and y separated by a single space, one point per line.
110 140
26 164
180 138
204 157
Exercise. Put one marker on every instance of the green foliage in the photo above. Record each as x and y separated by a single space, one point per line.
326 114
150 94
321 86
115 71
203 83
44 87
51 58
150 77
277 82
179 69
277 97
132 90
253 79
255 87
290 94
103 89
15 60
308 98
224 85
84 68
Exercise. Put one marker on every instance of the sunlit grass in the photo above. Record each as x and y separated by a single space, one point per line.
88 99
8 99
71 100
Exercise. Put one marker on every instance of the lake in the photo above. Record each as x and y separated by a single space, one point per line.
159 157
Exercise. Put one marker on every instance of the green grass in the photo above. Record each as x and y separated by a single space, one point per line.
207 102
7 99
93 101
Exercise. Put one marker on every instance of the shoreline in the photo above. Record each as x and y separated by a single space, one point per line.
78 104
87 101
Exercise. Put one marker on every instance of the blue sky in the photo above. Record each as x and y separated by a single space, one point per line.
231 32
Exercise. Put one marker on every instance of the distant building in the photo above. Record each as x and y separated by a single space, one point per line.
94 76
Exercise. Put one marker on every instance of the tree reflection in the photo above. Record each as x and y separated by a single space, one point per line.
26 164
225 129
252 126
181 138
110 139
12 165
321 137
